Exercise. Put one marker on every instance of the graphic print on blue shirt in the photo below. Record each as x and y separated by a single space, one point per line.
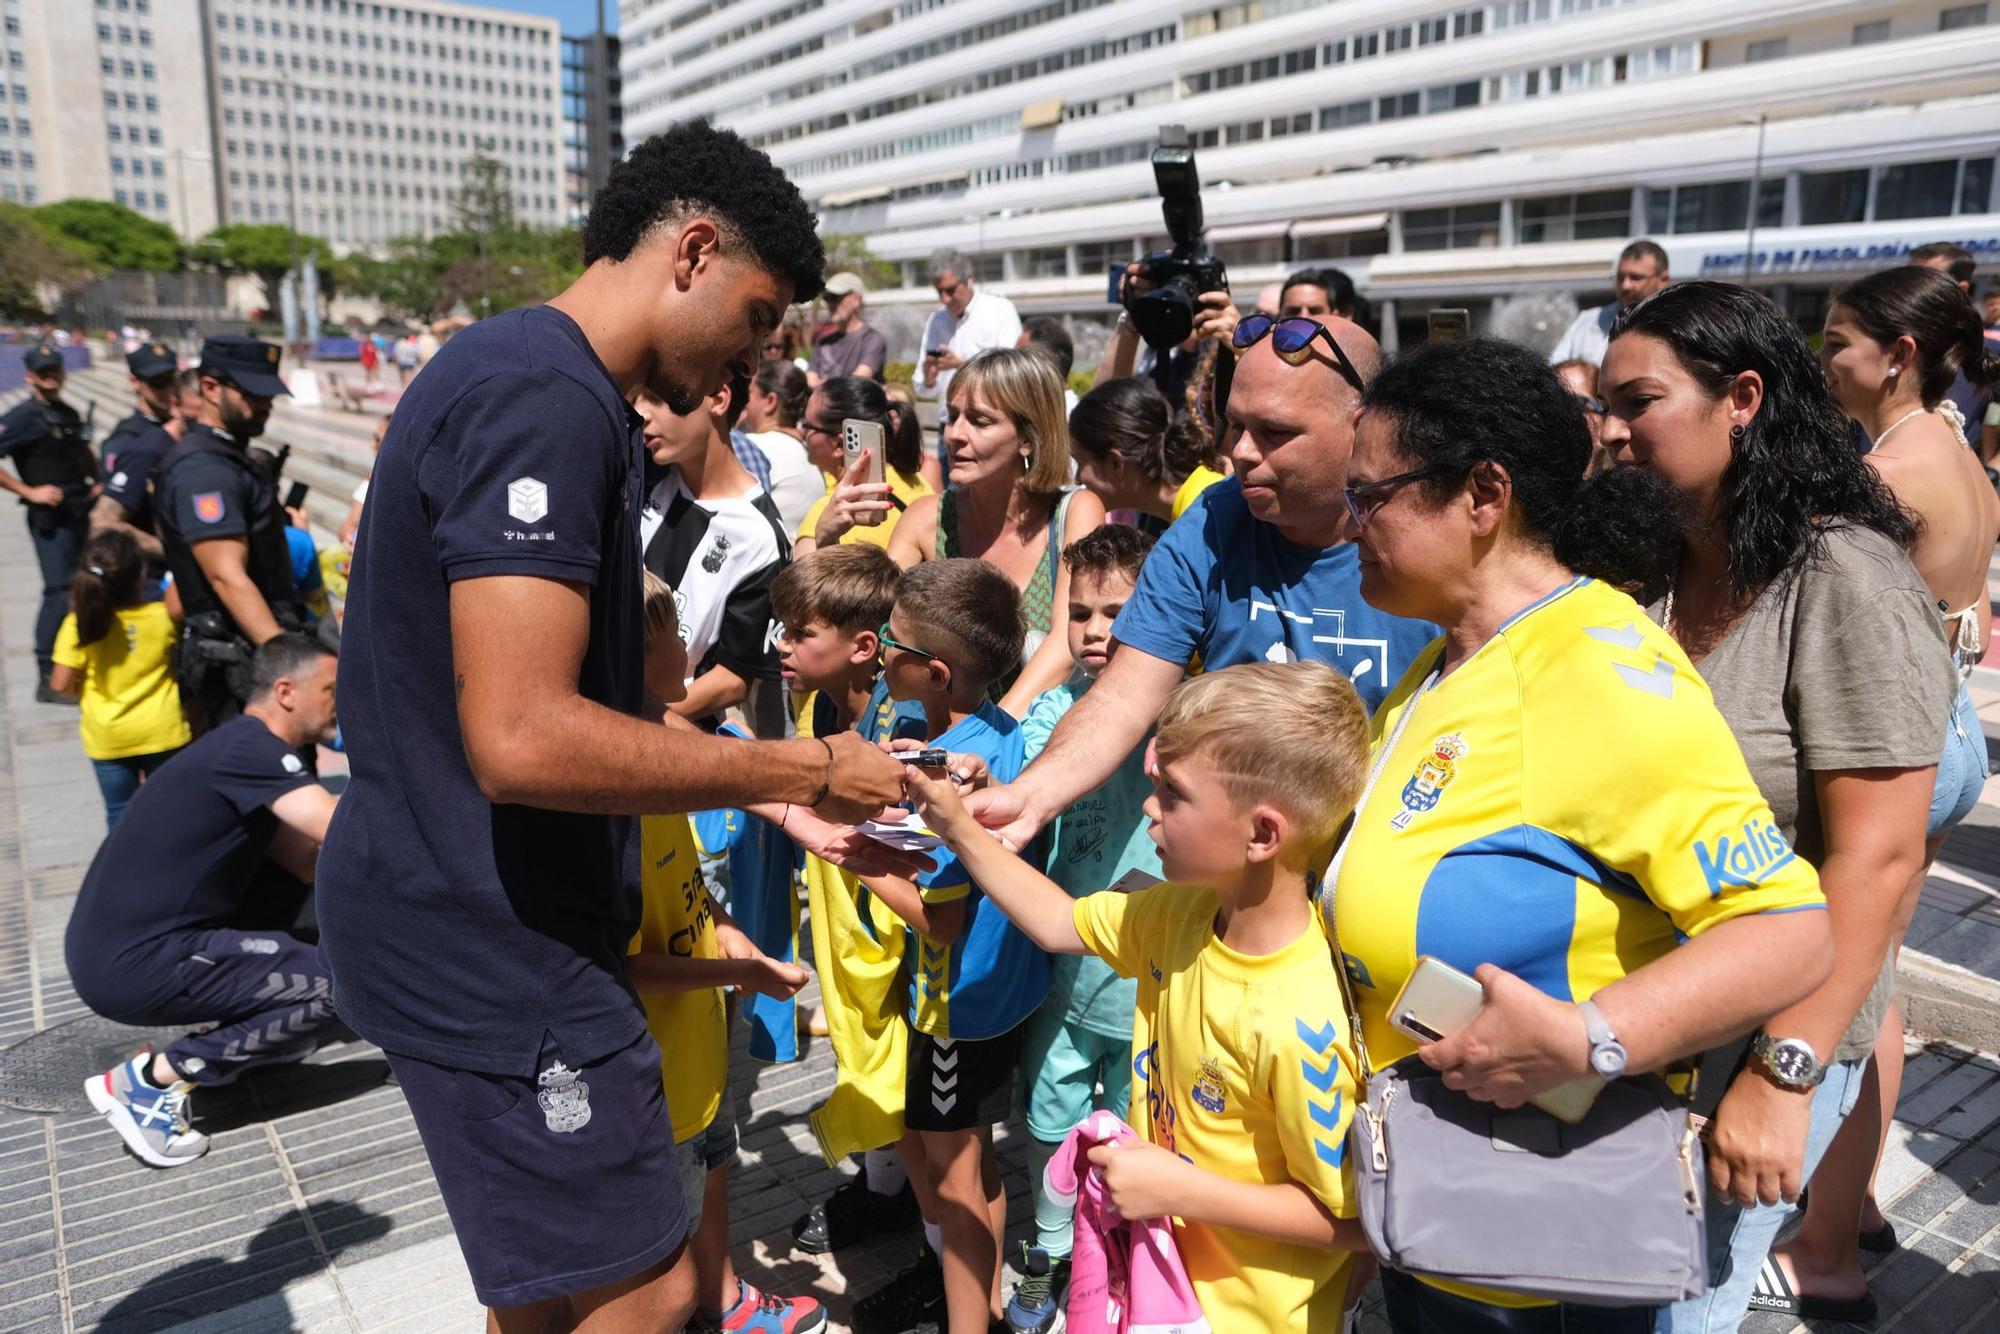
459 931
992 977
1225 587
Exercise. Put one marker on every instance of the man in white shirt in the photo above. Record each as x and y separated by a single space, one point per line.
1642 271
966 324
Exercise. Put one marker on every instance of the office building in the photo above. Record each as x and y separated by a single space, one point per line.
1444 154
593 128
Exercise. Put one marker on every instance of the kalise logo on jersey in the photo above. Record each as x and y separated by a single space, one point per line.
1744 858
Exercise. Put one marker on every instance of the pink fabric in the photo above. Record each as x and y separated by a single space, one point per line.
1125 1275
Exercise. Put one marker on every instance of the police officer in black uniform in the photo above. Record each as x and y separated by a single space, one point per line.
152 367
224 531
57 482
129 463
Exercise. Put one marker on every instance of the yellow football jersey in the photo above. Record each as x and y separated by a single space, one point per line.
690 1026
1243 1066
1570 852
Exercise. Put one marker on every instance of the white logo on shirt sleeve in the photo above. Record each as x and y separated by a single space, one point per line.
293 764
117 479
527 499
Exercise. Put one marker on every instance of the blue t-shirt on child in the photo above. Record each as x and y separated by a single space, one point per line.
1226 587
992 977
1096 843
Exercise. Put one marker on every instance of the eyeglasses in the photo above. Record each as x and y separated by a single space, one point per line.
1292 340
1364 500
1596 407
888 641
944 290
819 428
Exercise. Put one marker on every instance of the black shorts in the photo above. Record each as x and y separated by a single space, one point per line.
957 1084
556 1182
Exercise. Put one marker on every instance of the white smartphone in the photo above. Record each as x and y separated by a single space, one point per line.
1438 999
857 435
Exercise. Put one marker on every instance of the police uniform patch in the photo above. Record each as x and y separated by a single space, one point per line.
208 506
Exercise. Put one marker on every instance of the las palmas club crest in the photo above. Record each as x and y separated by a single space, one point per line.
565 1099
1434 774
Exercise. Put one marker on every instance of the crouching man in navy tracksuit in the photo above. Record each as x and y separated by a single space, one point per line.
167 927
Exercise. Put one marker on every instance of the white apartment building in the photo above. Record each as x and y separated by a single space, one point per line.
379 104
1442 153
193 111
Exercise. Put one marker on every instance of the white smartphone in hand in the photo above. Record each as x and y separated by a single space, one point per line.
1438 1000
857 435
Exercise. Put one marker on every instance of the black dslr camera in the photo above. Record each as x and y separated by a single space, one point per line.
1164 316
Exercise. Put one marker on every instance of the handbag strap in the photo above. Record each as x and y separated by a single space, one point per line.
1332 879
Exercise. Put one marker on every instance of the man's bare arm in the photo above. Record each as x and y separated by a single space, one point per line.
225 561
517 646
1088 745
108 514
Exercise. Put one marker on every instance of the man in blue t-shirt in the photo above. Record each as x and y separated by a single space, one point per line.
481 880
1258 570
178 921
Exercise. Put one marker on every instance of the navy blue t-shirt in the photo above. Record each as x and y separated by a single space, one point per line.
1227 588
460 931
183 857
131 479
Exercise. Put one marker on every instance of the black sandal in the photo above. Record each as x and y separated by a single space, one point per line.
1774 1293
1882 1241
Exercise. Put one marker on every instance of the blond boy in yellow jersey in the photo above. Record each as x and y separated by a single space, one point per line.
1243 1062
687 951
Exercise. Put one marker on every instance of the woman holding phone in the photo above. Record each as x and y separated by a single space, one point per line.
867 496
1554 789
1008 499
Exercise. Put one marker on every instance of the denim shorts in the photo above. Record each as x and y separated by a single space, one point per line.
1961 768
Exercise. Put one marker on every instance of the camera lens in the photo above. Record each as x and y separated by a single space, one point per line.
1165 315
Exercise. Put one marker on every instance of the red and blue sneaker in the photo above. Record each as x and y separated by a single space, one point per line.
759 1312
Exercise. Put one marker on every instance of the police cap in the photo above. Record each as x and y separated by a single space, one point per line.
248 363
149 361
42 358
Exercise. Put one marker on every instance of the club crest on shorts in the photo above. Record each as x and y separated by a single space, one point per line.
1434 774
565 1099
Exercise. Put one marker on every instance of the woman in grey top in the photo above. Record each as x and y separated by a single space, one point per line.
1797 601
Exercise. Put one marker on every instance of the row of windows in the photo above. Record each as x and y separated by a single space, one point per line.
139 199
120 133
112 101
375 41
368 129
159 167
26 193
121 67
25 157
125 6
402 161
124 34
18 125
409 18
393 73
740 31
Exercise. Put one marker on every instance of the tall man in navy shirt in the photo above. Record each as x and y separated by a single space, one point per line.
1256 570
481 882
177 923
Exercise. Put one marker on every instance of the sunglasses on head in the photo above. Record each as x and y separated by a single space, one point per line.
1292 339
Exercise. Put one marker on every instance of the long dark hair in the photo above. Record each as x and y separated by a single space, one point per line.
1134 418
1480 400
777 376
1934 312
106 578
1794 471
865 400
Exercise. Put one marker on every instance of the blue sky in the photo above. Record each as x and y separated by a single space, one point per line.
576 15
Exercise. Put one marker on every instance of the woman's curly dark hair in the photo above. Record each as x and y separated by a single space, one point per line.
695 165
1458 404
1794 472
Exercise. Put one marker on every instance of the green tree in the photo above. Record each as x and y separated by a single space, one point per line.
408 280
848 253
484 201
35 256
117 237
264 249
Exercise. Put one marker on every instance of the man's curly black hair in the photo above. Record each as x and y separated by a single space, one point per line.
695 165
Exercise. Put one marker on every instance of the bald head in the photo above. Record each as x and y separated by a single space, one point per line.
1293 429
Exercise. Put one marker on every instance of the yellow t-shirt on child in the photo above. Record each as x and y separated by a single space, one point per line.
902 487
131 704
690 1026
1244 1067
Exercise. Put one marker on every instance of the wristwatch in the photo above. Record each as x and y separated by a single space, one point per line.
1607 1053
1790 1061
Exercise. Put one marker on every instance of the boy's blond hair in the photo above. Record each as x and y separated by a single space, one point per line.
1023 384
851 587
1293 734
662 613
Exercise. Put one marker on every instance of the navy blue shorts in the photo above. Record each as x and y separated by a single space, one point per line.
556 1182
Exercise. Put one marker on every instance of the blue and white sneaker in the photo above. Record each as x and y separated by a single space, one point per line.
1036 1306
152 1121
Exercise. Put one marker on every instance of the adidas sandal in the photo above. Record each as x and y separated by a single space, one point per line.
1774 1293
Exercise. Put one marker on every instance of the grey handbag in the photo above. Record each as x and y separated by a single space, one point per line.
1607 1212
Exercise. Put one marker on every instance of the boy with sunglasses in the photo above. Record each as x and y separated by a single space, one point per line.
974 977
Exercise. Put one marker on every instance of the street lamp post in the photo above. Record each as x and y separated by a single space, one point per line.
1756 189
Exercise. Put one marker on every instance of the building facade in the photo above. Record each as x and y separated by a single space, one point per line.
1442 153
593 129
193 112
